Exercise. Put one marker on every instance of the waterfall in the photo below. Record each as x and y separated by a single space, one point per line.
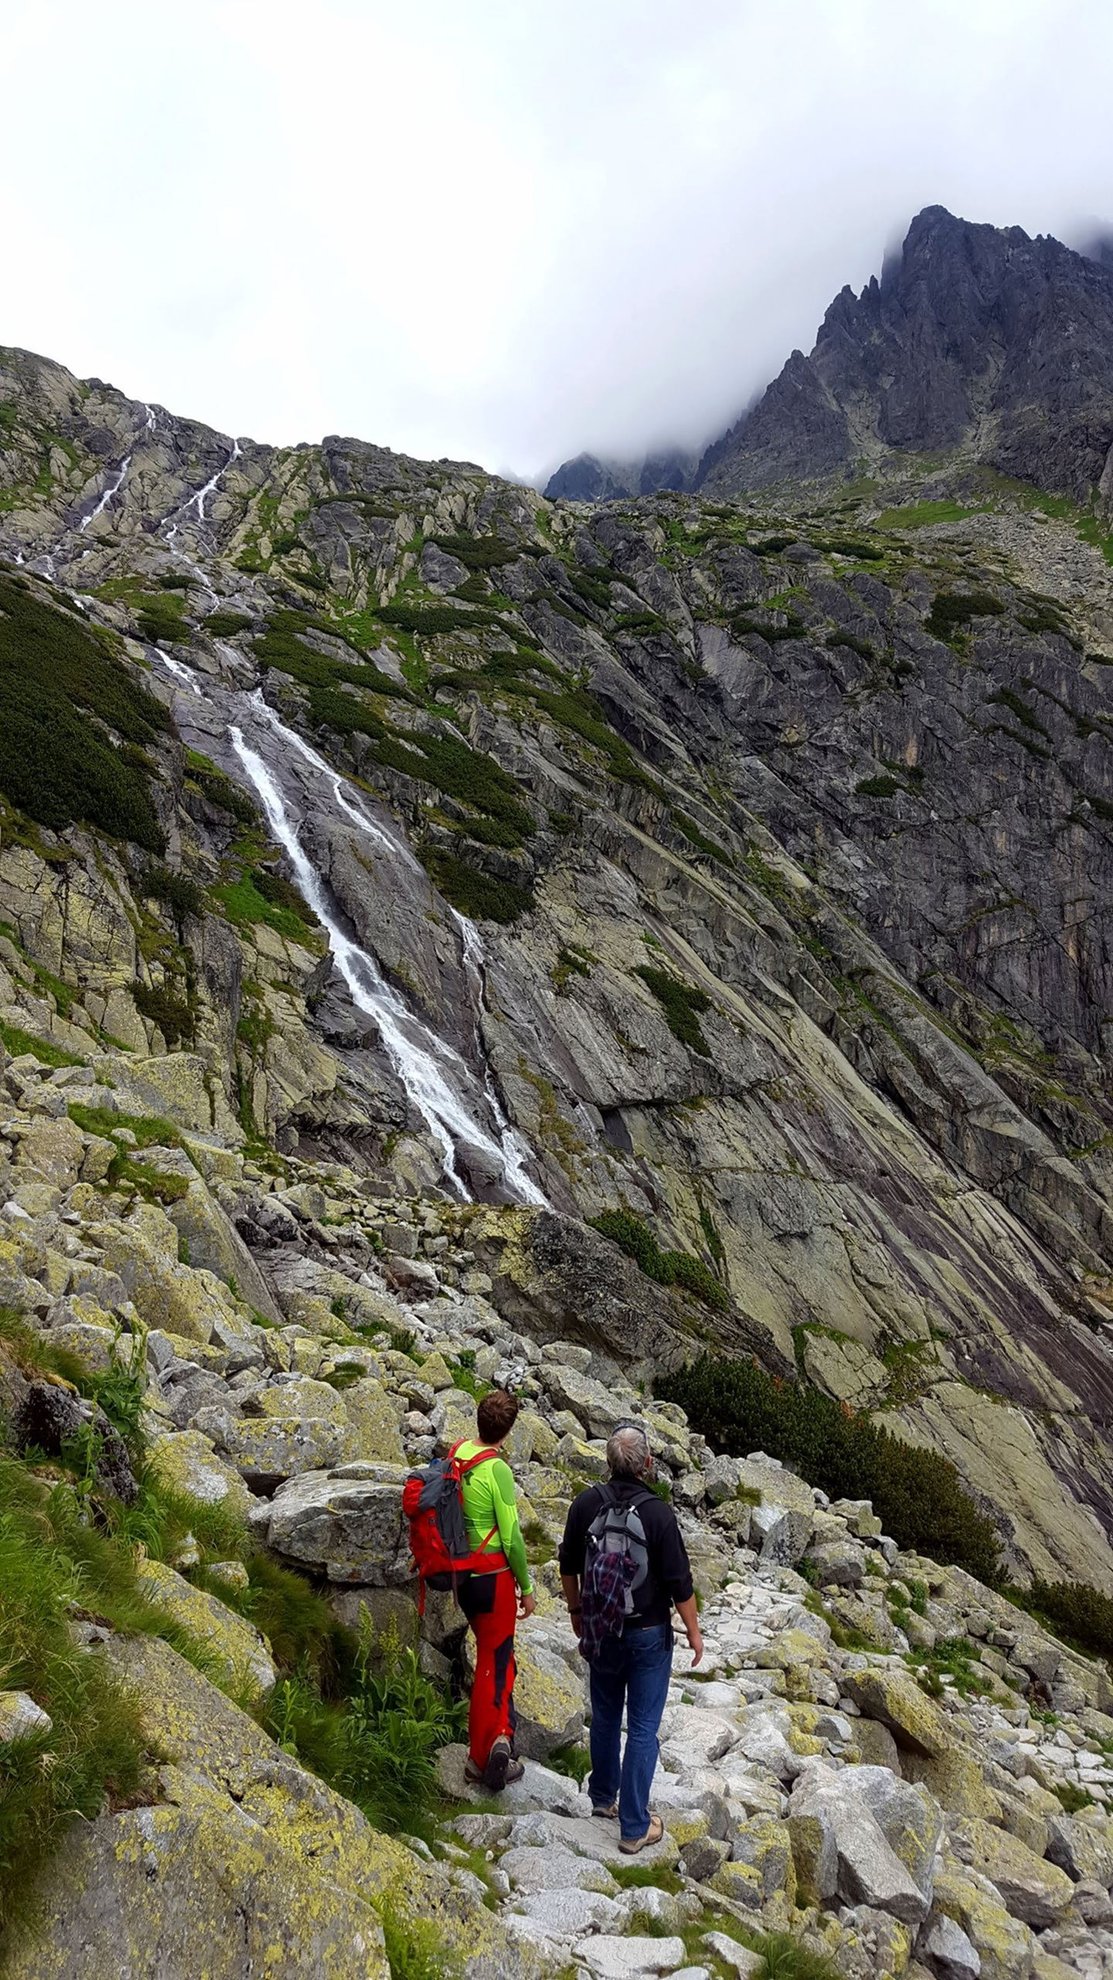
170 526
113 488
354 812
514 1146
199 500
432 1074
181 672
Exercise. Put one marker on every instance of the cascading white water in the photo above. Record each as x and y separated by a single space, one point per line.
514 1146
168 529
433 1074
429 1070
112 489
352 811
181 672
199 500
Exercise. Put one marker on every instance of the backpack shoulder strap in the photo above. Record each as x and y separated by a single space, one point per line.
480 1457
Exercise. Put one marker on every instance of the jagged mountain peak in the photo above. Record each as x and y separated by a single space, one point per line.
977 340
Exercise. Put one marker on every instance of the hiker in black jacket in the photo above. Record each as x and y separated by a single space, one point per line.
630 1666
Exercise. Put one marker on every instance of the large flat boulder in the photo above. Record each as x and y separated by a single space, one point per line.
348 1528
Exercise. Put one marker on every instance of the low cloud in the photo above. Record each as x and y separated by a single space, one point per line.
503 233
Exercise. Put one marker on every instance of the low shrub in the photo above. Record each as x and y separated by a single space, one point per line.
220 789
478 553
668 1268
224 625
952 611
67 703
162 1006
916 1493
878 787
682 1003
463 773
180 893
477 894
1078 1612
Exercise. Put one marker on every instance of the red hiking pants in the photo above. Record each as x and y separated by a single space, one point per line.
490 1603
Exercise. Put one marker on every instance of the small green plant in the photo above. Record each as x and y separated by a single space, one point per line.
683 1005
669 1268
377 1746
573 1760
415 1949
1071 1798
952 1657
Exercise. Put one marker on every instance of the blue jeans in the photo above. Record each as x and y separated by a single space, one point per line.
632 1670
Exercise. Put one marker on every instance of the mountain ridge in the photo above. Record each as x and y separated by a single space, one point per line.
975 340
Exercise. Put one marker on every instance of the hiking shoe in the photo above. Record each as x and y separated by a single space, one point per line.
607 1811
499 1763
630 1846
473 1774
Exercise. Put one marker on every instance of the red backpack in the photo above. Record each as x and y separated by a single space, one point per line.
433 1503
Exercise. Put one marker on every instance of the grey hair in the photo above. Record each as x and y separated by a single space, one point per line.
628 1452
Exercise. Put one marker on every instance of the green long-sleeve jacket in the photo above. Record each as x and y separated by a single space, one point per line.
490 1501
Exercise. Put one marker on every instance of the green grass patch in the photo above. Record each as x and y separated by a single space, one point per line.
16 1041
148 1129
260 895
93 1752
919 515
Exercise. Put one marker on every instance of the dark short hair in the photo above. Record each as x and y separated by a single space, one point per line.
496 1415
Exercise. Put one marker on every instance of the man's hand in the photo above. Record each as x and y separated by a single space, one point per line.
695 1644
527 1604
575 1617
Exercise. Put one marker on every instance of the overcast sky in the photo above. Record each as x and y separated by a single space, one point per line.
505 230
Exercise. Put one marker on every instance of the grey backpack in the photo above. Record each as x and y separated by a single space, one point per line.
616 1562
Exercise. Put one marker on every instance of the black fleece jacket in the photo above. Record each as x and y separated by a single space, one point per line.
669 1578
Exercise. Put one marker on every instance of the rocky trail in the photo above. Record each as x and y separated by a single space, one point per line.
810 1784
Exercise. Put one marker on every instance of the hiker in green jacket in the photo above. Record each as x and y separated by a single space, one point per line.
492 1601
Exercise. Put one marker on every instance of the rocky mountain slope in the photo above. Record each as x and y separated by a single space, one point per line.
977 344
744 871
398 873
588 479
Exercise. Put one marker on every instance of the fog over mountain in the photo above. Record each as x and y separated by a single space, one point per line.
505 235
